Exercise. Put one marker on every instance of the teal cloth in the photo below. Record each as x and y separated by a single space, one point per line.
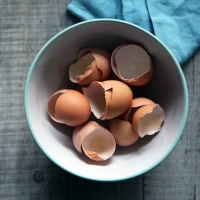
175 22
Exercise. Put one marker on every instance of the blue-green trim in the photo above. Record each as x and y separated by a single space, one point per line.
132 25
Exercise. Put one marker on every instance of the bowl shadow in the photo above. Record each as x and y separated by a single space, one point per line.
134 147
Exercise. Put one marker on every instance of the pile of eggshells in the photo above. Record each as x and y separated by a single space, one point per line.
129 118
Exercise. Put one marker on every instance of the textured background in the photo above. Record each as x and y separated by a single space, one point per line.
25 172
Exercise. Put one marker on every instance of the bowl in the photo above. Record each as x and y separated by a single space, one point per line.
49 72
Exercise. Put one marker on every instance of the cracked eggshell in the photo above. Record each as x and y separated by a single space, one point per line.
99 145
81 132
108 99
102 58
65 108
113 63
132 64
123 132
135 104
52 103
84 71
148 119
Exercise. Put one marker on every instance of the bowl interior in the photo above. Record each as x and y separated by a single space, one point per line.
50 72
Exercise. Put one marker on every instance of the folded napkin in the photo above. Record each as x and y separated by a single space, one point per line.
175 22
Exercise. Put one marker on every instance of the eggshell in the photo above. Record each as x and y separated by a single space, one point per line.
71 108
52 103
148 119
84 71
95 93
81 132
99 145
102 58
135 104
113 63
108 99
132 65
123 132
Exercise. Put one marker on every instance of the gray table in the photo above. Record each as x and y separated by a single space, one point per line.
25 172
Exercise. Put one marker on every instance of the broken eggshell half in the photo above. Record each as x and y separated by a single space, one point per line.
84 71
51 104
95 141
132 64
148 119
81 132
92 65
123 132
64 107
135 104
102 59
108 99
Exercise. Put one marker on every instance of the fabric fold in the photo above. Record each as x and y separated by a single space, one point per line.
176 23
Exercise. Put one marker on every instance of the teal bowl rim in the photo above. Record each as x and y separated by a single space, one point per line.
183 121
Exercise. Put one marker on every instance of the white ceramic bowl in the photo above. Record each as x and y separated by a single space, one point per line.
49 72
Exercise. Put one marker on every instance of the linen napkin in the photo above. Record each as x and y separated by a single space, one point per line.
174 22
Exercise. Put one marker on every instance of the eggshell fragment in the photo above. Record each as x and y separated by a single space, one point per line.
123 132
69 107
84 71
132 64
99 145
52 103
81 132
72 108
135 104
148 119
108 99
102 58
113 62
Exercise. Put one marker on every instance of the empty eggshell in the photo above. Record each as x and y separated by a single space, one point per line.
81 132
123 132
113 63
135 104
69 107
93 65
132 64
102 58
99 145
84 71
148 119
52 103
108 99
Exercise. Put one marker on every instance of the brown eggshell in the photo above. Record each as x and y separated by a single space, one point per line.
113 63
84 71
99 145
148 119
132 65
102 58
120 100
135 104
72 108
52 103
108 96
95 93
123 132
81 132
108 99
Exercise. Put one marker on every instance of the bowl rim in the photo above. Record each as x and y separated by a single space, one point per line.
185 91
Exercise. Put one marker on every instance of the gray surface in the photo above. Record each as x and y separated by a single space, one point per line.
25 172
